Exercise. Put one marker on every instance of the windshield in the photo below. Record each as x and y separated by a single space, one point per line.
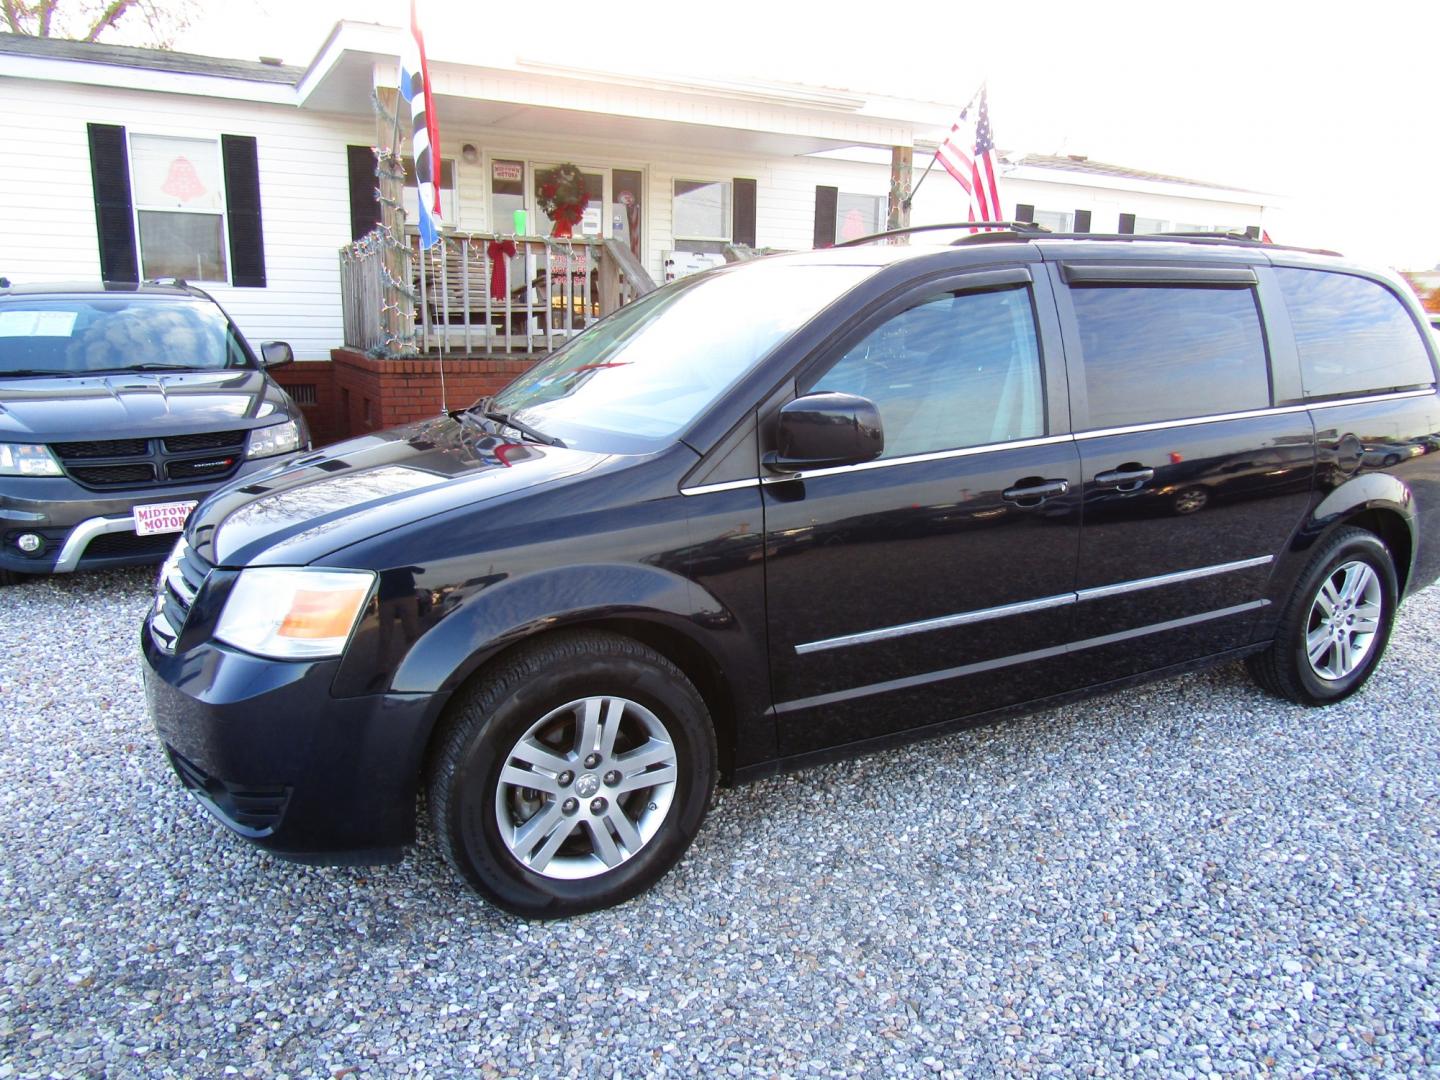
651 368
81 335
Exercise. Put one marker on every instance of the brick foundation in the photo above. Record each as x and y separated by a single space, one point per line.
355 394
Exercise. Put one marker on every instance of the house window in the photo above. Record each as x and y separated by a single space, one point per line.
702 210
179 207
1061 221
1152 225
858 215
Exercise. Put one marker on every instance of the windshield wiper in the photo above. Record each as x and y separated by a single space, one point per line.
159 367
505 419
37 371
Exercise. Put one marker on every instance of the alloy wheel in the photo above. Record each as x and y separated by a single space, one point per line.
1344 618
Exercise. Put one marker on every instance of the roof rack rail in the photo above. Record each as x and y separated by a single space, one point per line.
179 283
1228 239
1023 228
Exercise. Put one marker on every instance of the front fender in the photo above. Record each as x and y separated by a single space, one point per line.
516 608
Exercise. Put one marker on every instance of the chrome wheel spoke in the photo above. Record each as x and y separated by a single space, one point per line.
530 834
539 757
1317 644
636 781
1329 598
547 850
624 829
603 842
599 723
525 778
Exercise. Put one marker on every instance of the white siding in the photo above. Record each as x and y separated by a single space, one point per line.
47 216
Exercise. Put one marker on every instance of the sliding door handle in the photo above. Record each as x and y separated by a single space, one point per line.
1126 478
1028 490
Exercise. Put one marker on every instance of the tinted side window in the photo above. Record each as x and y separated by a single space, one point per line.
1354 335
1170 352
954 371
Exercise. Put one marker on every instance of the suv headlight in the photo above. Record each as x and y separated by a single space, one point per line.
27 459
272 440
293 613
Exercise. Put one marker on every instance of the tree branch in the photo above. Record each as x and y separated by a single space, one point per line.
108 18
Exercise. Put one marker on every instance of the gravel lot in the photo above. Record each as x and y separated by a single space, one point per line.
1188 879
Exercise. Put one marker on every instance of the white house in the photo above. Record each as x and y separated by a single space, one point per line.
247 177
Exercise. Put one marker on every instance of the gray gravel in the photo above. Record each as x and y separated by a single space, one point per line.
1189 879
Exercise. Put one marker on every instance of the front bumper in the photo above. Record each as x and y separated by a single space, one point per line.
267 750
71 519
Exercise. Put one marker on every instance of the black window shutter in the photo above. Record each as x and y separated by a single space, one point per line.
1252 232
1024 211
744 212
1127 223
242 205
826 203
364 200
114 219
1082 220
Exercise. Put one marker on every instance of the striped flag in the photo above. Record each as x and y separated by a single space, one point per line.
968 154
425 135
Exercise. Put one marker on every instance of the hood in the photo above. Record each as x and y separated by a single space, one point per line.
318 503
121 405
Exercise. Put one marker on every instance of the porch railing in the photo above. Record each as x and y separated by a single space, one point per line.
484 293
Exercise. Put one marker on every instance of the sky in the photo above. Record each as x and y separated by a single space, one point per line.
1335 110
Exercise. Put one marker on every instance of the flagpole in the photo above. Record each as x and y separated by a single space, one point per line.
910 198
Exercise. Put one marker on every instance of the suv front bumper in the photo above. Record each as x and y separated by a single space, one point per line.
268 751
70 518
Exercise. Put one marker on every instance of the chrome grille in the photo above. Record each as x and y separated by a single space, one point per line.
181 578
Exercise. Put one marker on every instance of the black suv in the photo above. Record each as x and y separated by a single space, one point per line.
788 509
121 407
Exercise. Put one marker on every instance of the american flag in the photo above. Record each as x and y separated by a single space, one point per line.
968 154
425 134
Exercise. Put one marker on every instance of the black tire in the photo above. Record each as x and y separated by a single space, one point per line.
486 726
1285 669
10 577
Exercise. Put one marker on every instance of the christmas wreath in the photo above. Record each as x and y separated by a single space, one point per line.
563 197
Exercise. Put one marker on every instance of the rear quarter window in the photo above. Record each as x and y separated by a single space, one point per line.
1354 335
1156 353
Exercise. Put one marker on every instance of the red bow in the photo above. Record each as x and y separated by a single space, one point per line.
499 251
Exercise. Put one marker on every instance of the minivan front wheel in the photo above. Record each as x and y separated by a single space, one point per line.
1335 626
574 776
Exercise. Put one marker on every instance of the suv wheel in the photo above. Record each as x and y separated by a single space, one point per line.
10 577
1334 628
574 776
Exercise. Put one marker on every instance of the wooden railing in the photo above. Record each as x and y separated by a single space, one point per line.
482 293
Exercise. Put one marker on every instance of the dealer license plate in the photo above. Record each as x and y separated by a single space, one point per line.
152 519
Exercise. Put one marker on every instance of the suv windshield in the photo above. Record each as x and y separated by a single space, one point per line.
642 375
82 335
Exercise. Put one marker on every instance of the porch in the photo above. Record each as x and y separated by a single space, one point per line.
480 295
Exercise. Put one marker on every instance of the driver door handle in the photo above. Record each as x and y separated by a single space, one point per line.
1125 479
1043 490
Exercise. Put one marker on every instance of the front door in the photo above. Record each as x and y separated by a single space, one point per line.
935 582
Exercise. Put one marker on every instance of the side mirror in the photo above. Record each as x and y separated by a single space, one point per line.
826 429
275 353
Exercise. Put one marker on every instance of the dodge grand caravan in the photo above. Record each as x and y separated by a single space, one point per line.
794 508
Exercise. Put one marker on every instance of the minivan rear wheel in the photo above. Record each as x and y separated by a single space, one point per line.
1336 624
573 776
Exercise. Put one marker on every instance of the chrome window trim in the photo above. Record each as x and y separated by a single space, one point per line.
1052 440
728 485
910 682
963 618
1248 414
913 459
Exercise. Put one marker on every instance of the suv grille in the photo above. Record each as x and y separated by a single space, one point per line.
172 459
210 440
106 448
113 475
181 578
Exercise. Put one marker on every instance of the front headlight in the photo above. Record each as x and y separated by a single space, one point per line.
275 439
32 459
293 613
